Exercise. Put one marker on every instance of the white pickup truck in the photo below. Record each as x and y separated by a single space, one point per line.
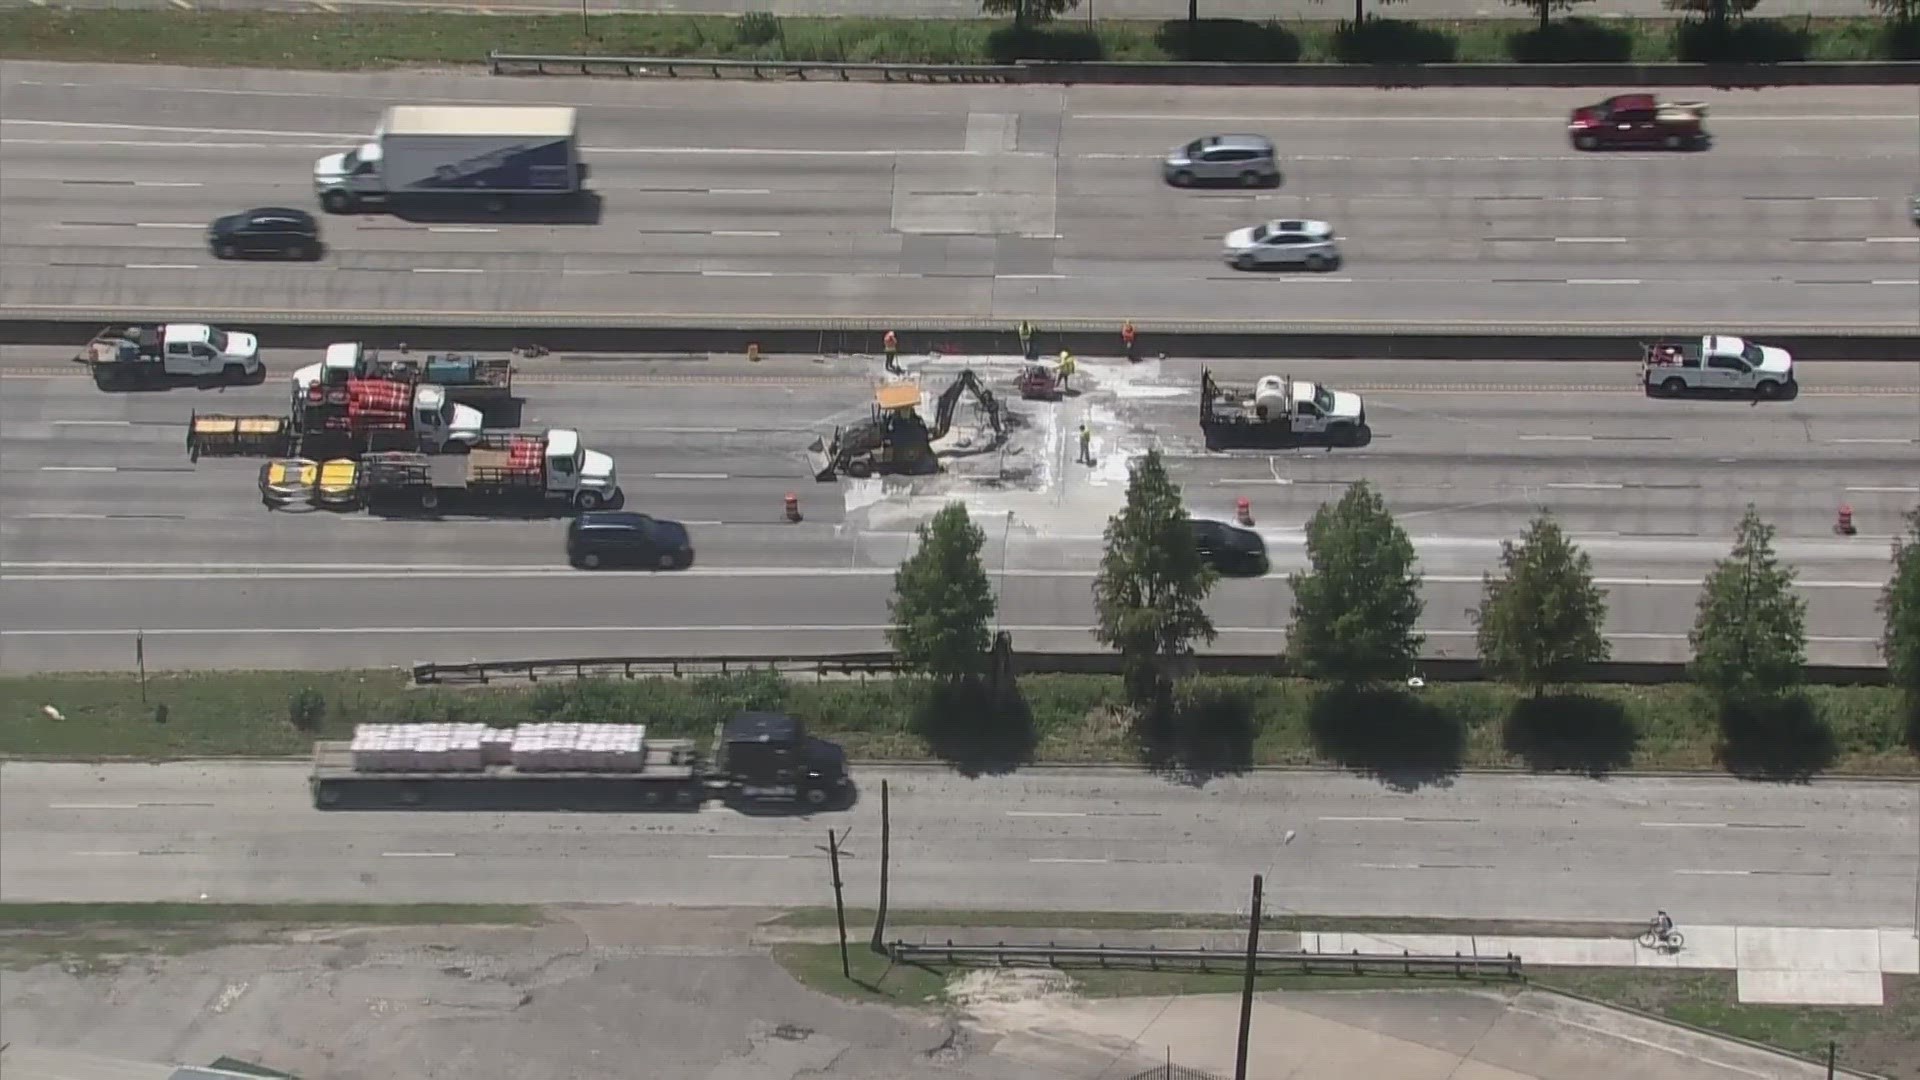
1281 411
148 354
1716 363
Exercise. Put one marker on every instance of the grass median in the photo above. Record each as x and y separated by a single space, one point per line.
1231 723
367 40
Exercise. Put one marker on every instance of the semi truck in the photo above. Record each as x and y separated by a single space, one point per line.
1716 364
491 154
363 416
468 379
134 356
757 758
1281 411
502 471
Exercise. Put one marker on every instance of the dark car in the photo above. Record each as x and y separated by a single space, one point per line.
1638 121
622 538
1230 549
277 231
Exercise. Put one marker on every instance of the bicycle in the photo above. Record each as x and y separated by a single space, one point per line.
1671 941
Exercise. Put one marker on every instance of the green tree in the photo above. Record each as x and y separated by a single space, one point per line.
1150 595
1360 9
1028 12
1354 613
1714 11
1750 633
1544 619
1900 603
1546 8
942 600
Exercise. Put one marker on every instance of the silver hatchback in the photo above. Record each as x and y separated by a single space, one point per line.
1283 243
1242 159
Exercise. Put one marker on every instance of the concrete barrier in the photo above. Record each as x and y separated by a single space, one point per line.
958 337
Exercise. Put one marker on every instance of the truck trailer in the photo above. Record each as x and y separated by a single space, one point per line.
504 470
143 356
757 758
489 154
468 379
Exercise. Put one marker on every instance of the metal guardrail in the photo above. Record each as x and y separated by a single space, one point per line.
428 673
1152 959
632 66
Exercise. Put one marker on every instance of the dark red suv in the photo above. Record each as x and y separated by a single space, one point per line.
1639 121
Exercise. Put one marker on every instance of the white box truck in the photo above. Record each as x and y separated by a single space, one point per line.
490 154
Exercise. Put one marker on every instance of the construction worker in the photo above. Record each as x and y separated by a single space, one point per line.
1066 371
1086 445
891 344
1026 341
1126 340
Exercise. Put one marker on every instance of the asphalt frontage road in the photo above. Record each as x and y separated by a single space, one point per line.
1458 207
1708 850
109 529
1256 10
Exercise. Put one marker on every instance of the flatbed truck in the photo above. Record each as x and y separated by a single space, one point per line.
466 378
138 357
758 759
1281 412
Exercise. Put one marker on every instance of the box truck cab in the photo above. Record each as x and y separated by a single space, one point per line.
439 152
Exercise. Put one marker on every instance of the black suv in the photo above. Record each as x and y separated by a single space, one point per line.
622 538
269 230
1229 548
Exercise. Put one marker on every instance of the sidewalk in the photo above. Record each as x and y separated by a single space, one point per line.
1774 965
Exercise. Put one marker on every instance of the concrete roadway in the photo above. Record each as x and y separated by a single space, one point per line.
980 202
107 528
1258 10
1708 850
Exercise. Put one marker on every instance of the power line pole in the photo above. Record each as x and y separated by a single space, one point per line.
1246 988
839 903
886 849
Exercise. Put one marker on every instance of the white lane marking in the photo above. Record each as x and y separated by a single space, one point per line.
417 854
1337 818
1071 862
162 266
1582 486
109 853
1029 277
739 191
168 183
1556 438
1886 490
745 232
168 225
1714 873
461 229
1589 239
749 858
1877 442
1389 866
1604 281
92 806
1683 824
93 423
66 517
1046 813
78 468
446 270
689 476
1896 281
738 273
1893 239
1846 198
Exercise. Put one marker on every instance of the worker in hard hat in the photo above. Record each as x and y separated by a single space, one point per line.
1026 341
1066 370
891 344
1086 445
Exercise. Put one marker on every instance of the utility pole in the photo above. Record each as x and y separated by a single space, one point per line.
1246 988
886 856
1833 1049
839 904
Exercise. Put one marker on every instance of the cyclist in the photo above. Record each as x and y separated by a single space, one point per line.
1663 926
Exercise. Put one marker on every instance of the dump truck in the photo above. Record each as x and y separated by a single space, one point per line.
756 758
503 470
435 154
896 440
1281 411
467 378
1716 364
138 356
365 416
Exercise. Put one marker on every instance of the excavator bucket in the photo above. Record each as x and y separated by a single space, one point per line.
820 455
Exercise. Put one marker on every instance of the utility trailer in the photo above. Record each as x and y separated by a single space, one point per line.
130 357
757 759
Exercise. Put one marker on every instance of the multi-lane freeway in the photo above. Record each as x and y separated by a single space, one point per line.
1707 850
982 202
109 529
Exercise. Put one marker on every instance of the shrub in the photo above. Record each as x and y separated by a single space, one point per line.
1572 41
1392 41
1237 41
1011 43
307 709
1901 39
1747 41
757 28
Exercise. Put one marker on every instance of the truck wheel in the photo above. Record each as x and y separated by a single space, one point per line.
429 500
227 251
327 795
1183 178
669 562
590 561
588 500
1250 179
1318 263
1586 142
816 796
234 373
859 468
336 202
1768 389
1341 434
1673 386
1245 262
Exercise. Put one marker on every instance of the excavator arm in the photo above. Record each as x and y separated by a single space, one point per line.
950 401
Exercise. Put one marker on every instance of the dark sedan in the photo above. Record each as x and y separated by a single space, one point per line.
623 538
1230 549
275 231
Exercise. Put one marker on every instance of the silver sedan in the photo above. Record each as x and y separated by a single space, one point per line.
1283 242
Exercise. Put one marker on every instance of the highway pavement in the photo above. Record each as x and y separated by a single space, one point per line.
1708 850
985 202
1257 10
109 529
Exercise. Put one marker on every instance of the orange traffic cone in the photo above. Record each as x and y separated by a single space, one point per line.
1844 523
793 507
1243 511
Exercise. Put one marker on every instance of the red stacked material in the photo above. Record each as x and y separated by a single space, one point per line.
526 455
378 404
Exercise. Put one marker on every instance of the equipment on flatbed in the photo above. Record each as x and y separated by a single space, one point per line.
502 468
466 379
363 416
759 757
219 435
896 440
1282 411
